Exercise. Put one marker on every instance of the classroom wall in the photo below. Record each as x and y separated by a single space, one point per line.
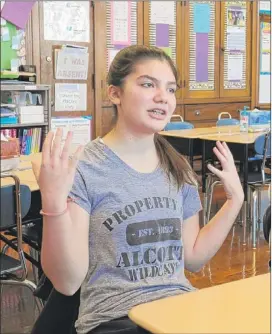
201 53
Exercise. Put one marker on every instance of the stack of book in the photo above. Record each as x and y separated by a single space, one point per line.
29 139
8 114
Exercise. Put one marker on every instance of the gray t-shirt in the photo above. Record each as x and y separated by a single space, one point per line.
135 242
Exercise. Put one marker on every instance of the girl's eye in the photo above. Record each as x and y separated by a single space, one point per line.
172 90
148 84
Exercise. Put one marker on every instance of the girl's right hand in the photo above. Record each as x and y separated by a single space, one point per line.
57 171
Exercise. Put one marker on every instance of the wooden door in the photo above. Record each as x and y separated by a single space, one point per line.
105 50
235 54
43 57
201 49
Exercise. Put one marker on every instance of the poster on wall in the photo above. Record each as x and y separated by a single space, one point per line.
66 21
17 12
80 126
121 22
71 63
264 89
70 97
162 12
236 38
265 7
236 28
235 66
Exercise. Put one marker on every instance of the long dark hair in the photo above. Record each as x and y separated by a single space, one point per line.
174 164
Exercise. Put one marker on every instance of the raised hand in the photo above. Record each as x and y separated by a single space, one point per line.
228 175
57 171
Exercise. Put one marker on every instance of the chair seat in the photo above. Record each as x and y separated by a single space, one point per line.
256 178
30 234
256 157
253 178
8 264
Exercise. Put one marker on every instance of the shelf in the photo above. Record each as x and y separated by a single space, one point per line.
13 126
24 87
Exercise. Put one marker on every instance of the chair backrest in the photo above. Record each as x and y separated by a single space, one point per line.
15 203
173 117
178 126
226 121
262 145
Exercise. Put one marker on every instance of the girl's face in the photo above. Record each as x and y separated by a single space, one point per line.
147 99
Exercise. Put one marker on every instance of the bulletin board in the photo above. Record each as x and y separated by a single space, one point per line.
265 63
10 36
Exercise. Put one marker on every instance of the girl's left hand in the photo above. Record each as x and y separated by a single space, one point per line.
228 175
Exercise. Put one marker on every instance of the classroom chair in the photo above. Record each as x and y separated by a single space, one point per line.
226 121
15 204
31 235
212 180
178 125
256 181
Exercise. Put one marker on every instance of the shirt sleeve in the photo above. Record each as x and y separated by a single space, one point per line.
79 192
191 201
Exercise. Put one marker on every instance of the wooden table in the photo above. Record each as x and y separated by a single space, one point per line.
197 132
238 307
188 142
232 137
24 172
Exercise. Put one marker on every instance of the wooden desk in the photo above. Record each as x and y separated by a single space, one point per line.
198 132
233 137
188 142
24 172
237 307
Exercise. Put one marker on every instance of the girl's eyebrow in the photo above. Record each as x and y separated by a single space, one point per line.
146 76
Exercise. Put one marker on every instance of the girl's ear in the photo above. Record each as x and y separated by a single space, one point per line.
114 94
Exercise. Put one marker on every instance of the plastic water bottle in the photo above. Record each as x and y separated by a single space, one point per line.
244 119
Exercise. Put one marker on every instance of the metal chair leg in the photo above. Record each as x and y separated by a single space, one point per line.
210 199
4 249
254 221
259 203
35 255
249 207
28 284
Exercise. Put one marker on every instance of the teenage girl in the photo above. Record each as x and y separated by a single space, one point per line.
121 217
